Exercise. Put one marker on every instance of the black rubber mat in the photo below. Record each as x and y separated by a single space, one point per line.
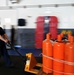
18 69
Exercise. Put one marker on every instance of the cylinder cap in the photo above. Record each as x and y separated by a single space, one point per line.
59 38
48 36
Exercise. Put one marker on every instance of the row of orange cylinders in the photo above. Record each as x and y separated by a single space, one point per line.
58 58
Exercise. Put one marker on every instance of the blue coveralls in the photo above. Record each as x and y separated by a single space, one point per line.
3 49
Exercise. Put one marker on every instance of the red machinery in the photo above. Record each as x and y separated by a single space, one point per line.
53 27
44 25
39 32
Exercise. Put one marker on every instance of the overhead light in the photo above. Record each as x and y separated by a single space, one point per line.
72 4
56 5
39 6
14 1
24 6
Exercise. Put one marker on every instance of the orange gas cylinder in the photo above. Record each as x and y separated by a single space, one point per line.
69 34
62 34
58 54
69 57
47 52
